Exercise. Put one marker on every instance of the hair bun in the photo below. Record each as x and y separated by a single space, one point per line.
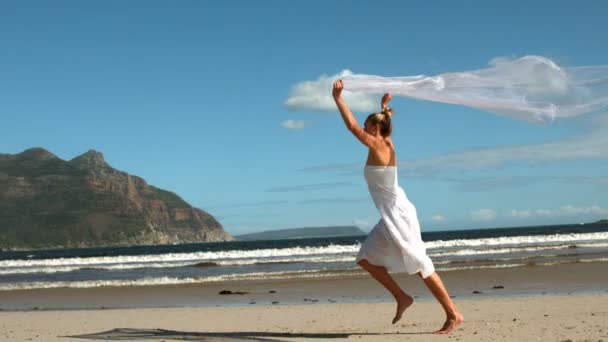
388 111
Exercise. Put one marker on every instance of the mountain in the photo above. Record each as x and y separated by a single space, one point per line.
301 233
46 202
604 221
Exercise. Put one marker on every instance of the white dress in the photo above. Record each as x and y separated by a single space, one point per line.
395 242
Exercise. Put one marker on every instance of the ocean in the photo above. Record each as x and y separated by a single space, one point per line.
289 259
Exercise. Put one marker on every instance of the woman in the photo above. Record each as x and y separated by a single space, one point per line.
395 243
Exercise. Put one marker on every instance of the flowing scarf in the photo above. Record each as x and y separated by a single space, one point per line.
531 88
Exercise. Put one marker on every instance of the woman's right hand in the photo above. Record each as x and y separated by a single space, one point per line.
338 86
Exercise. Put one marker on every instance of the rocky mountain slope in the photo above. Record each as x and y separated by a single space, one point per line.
46 202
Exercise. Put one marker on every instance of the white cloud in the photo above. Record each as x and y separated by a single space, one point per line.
543 212
365 224
483 215
293 124
501 60
316 95
519 213
569 210
438 218
563 211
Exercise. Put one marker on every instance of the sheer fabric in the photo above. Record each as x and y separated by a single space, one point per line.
531 88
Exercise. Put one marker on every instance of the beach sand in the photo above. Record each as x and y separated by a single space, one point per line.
542 303
543 318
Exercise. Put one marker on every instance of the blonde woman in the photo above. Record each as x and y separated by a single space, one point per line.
395 243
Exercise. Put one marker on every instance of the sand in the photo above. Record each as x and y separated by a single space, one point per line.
566 302
540 318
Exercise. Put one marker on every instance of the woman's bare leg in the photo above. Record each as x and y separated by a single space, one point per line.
383 277
454 317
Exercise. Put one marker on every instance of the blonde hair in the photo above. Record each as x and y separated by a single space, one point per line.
383 119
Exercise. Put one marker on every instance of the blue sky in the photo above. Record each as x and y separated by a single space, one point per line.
190 96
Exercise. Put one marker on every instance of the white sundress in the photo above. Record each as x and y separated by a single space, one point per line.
395 242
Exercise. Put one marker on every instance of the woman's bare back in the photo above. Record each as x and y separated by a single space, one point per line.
382 154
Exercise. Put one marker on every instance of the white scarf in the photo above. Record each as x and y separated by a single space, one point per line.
532 88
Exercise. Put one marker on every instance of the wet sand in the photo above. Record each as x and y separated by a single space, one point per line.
576 278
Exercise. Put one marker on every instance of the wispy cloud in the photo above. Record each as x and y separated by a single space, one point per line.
599 182
483 215
438 218
293 124
247 204
520 213
244 217
501 59
316 95
563 211
509 182
364 223
334 200
309 187
491 183
589 145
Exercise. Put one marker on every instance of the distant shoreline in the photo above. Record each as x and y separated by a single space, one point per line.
424 232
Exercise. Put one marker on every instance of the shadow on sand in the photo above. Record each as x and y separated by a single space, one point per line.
127 334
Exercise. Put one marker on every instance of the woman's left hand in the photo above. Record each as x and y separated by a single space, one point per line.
338 86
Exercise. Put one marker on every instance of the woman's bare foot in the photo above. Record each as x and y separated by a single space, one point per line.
403 303
450 324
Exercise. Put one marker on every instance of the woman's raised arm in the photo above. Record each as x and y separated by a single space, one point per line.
348 117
